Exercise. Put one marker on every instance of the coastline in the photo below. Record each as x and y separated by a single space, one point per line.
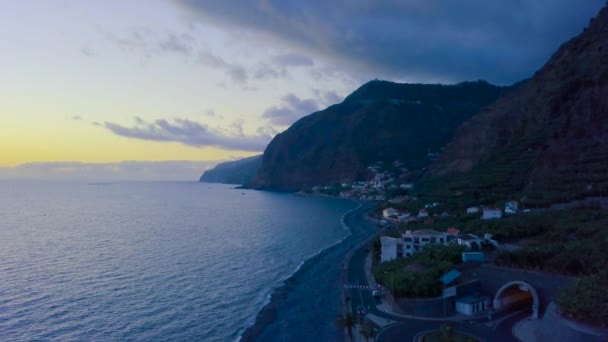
359 230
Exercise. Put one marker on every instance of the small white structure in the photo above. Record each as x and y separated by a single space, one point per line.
469 240
471 305
511 207
389 248
491 213
472 210
390 213
423 213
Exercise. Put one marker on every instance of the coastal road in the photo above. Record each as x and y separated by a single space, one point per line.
407 328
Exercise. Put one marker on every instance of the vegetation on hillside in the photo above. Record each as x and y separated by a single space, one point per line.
587 299
381 121
446 333
417 275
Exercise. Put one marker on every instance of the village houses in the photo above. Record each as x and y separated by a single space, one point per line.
412 242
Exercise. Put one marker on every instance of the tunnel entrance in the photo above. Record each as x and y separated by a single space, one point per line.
516 295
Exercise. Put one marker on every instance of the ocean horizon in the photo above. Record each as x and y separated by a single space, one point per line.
164 260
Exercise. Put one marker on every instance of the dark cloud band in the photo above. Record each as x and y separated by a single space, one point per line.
447 40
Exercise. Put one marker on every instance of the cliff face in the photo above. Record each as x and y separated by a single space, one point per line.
233 172
381 121
546 139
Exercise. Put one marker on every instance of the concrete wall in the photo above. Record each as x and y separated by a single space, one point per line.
388 250
553 327
463 308
434 307
431 307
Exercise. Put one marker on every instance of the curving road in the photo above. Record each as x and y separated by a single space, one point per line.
405 329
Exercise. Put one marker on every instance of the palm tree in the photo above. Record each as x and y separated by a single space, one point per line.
367 329
346 321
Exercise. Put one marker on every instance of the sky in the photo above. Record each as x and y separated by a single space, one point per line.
164 89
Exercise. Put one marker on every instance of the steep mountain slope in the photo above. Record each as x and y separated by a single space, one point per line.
544 141
381 121
234 172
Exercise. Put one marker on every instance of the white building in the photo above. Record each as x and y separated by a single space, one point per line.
471 305
491 213
472 210
390 213
414 241
389 248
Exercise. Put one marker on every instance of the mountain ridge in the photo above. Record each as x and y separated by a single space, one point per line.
549 134
380 121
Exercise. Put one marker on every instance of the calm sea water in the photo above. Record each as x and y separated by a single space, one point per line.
151 261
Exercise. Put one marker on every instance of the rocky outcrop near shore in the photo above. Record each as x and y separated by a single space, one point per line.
234 172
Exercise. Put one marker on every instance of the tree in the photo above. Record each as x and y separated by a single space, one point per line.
367 329
446 333
346 321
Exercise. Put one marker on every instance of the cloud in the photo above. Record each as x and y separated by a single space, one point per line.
236 72
148 43
293 59
138 40
77 118
210 113
292 109
118 171
182 43
192 133
279 68
87 51
327 98
331 97
266 71
501 41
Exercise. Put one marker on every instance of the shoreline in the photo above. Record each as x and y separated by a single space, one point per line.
355 223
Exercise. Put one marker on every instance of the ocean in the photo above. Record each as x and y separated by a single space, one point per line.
169 261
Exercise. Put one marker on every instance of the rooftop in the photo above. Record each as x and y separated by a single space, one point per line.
453 231
424 232
387 240
467 237
449 277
